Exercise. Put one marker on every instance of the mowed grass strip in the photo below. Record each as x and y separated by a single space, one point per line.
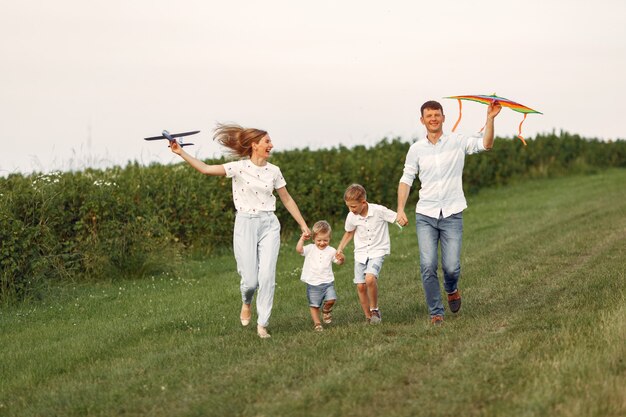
541 331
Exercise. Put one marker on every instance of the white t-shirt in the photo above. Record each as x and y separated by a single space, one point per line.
318 265
371 239
253 186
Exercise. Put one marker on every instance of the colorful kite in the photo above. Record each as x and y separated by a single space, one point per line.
503 101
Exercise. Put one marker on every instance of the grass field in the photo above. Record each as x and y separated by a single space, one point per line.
542 331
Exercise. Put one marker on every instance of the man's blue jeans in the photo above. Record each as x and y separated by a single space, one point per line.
431 231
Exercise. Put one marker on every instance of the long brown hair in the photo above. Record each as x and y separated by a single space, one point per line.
238 139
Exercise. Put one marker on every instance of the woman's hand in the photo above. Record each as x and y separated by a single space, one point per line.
176 148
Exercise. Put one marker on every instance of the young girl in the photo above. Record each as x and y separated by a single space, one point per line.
256 237
317 272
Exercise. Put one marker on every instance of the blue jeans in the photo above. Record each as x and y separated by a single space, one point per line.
430 232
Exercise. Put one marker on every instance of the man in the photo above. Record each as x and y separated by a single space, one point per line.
438 159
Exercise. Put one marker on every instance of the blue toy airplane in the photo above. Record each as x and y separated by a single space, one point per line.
172 137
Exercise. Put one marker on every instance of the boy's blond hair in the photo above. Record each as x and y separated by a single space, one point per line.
355 192
321 227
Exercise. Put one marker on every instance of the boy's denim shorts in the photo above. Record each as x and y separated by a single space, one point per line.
318 294
371 266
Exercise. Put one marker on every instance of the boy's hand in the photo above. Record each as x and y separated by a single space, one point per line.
305 236
340 258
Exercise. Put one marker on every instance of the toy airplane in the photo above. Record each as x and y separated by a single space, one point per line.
172 137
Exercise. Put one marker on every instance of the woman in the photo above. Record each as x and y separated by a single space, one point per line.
256 237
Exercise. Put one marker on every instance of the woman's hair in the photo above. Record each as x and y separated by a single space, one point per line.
321 227
238 139
355 192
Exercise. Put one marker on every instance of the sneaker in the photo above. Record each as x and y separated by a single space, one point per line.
454 301
436 320
262 332
375 318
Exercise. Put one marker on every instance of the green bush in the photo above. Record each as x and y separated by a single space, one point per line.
138 220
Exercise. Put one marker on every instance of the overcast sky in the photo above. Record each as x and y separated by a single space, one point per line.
82 82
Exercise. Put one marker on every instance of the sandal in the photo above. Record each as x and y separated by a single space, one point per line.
245 318
262 332
327 316
318 327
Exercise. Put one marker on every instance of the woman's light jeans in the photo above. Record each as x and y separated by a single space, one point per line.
256 242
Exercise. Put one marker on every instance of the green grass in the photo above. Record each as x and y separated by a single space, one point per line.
542 330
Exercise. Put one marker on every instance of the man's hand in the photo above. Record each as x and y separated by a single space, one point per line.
402 219
493 109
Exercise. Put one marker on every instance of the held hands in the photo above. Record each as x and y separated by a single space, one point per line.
306 233
339 258
402 219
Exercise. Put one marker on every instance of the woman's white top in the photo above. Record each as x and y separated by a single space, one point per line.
253 186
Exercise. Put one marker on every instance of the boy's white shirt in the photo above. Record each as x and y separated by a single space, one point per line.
253 186
318 265
371 238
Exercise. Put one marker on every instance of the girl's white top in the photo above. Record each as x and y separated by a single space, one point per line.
318 265
253 186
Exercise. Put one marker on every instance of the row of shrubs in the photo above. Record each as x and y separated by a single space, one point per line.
138 220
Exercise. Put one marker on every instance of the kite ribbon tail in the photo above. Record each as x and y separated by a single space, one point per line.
460 115
520 129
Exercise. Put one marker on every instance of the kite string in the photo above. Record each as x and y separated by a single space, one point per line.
460 114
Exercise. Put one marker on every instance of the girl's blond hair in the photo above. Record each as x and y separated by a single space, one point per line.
238 139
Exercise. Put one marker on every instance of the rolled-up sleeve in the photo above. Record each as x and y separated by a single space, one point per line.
473 144
410 167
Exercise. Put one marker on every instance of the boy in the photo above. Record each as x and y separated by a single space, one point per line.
367 223
317 272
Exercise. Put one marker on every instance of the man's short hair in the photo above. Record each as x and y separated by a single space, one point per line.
432 105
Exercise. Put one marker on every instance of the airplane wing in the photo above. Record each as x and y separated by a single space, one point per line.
172 135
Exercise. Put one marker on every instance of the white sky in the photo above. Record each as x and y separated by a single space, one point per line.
82 82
